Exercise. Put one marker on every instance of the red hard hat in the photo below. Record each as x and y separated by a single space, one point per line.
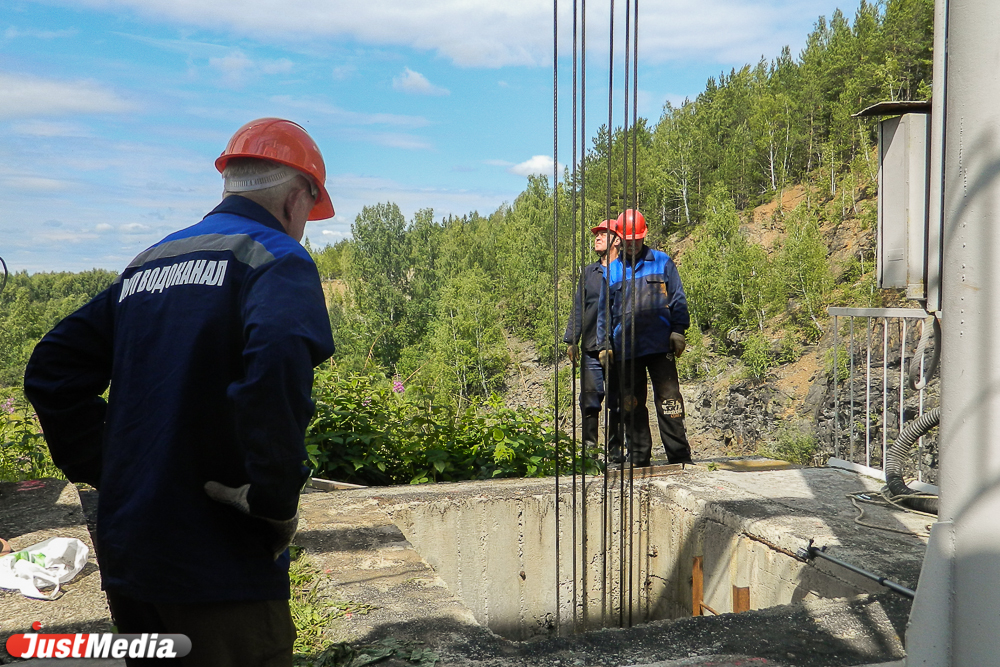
633 223
286 143
610 225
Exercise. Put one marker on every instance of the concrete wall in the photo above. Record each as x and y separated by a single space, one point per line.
496 553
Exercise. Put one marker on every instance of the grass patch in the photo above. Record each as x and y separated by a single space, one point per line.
313 613
792 443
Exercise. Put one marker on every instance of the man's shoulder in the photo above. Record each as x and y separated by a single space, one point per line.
250 242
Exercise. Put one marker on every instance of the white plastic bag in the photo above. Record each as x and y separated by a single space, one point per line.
44 565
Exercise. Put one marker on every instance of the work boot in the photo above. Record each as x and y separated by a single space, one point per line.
591 431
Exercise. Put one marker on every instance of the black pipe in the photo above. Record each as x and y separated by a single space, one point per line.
898 491
810 552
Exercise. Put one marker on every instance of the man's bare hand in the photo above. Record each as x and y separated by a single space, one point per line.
573 352
606 357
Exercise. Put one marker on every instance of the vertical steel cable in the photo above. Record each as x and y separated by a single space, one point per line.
555 273
621 478
574 184
583 234
605 520
635 209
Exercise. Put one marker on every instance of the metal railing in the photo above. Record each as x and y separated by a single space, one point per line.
886 337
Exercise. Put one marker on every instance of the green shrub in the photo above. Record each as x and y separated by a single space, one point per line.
792 443
757 357
693 364
23 453
370 432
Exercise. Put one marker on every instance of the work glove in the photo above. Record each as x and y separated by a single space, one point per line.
573 352
606 357
677 343
281 533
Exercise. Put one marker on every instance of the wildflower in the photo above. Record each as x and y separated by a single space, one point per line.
398 387
8 406
367 401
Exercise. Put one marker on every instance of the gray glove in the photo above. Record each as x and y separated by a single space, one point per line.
282 532
677 343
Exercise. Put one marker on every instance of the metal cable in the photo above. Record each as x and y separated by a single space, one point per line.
635 209
4 284
583 227
555 273
574 460
606 540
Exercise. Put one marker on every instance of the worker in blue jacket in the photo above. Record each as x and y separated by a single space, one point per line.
581 336
208 340
649 316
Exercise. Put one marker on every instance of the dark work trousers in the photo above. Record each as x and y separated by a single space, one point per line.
669 404
223 634
591 383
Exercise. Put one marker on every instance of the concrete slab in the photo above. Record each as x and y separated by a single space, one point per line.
358 540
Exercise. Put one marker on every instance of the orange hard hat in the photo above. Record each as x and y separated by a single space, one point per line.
610 225
631 225
286 143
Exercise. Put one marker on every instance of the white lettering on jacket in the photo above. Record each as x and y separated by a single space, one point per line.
159 279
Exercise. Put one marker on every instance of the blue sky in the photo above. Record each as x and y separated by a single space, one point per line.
113 111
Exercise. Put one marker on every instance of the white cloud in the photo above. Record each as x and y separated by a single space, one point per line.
133 228
335 233
279 66
538 164
233 67
36 184
28 97
350 117
477 33
42 128
14 33
103 227
343 72
417 84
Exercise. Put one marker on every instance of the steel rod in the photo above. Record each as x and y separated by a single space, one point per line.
811 552
555 275
868 397
836 394
853 440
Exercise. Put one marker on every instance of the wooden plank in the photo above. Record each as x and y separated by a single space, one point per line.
697 587
741 599
329 485
646 472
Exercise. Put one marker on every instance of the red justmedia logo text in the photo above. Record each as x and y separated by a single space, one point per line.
103 645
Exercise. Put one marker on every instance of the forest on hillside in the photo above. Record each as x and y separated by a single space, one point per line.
422 308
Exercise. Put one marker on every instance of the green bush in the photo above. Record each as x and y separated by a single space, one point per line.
757 357
23 453
371 432
793 443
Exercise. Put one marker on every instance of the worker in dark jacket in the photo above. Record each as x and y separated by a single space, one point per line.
208 340
581 334
649 316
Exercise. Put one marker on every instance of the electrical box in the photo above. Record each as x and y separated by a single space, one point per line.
903 177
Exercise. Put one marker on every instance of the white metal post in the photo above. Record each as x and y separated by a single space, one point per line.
956 615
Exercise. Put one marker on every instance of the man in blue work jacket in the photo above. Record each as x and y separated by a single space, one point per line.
208 340
581 336
649 316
